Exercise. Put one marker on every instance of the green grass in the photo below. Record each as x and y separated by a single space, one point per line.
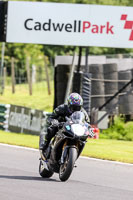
116 150
102 148
39 100
19 139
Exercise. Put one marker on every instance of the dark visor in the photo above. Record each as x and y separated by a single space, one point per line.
75 107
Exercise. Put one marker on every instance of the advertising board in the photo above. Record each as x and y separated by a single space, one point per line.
24 120
70 24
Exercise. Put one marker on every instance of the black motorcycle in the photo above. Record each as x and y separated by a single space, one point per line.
65 147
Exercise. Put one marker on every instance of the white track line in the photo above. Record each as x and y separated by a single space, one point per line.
107 161
83 157
18 147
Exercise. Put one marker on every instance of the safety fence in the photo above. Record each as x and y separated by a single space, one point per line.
22 119
16 73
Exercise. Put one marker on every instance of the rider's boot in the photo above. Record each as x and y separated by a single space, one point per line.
47 138
44 145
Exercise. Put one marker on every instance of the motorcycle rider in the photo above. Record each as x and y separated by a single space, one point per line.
74 103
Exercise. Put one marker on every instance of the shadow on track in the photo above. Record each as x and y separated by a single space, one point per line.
28 178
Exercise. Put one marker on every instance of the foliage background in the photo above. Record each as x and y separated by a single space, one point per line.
119 130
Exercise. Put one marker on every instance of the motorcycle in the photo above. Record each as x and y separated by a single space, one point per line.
65 148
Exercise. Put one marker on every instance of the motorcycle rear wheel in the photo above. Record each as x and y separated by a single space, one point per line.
66 168
43 171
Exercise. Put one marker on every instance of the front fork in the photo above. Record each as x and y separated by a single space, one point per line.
64 153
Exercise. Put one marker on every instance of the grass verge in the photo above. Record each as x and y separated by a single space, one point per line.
103 148
107 149
19 139
38 100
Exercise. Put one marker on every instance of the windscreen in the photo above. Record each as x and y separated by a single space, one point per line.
78 117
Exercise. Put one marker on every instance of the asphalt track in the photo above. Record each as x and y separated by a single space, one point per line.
91 180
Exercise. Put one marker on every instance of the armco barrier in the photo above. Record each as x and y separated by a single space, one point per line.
22 119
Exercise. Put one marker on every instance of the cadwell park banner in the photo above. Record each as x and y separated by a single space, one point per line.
69 24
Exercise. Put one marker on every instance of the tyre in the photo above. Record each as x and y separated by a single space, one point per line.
62 77
45 173
66 168
63 68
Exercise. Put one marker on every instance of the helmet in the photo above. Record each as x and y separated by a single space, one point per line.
75 102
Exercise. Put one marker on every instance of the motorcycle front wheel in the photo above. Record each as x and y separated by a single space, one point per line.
67 167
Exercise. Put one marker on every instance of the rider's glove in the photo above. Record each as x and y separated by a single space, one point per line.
91 133
55 122
61 124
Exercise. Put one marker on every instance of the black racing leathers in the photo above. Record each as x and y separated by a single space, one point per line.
63 110
59 114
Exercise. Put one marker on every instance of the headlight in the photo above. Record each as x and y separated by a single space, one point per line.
68 128
78 129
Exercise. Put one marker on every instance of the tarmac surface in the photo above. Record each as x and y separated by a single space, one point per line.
91 180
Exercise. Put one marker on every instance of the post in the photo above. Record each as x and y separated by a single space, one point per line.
86 60
79 60
29 76
4 75
70 78
33 74
1 67
47 76
13 75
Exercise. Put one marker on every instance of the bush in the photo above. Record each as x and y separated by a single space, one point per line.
119 131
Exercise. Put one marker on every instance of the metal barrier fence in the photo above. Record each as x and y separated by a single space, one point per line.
22 119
